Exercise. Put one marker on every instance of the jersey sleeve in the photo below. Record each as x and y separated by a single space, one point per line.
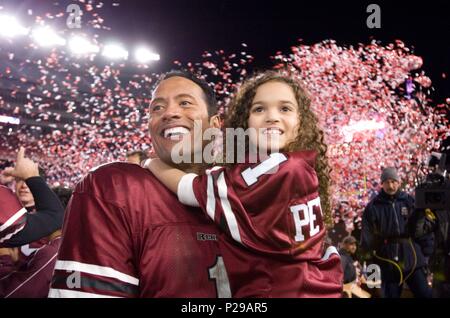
96 254
30 280
47 218
13 216
270 207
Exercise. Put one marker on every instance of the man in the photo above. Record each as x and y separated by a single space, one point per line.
437 222
45 212
28 272
385 234
126 235
351 282
347 253
136 157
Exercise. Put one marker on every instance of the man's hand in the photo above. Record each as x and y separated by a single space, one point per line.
25 168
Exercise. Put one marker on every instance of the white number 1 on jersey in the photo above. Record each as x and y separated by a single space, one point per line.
219 274
251 175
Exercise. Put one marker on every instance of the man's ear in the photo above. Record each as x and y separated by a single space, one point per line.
214 121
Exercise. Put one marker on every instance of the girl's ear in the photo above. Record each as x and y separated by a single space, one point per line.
214 121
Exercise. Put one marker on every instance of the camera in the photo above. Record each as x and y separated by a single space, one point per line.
434 190
433 216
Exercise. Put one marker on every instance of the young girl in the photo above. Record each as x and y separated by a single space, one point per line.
272 216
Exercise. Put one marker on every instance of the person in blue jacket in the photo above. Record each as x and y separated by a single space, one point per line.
386 237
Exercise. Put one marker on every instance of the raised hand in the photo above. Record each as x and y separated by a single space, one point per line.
25 168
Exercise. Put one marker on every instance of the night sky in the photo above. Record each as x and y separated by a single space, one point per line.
184 29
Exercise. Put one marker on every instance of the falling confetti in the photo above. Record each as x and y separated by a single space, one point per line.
372 101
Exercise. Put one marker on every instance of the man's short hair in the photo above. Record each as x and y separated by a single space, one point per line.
349 240
208 91
142 154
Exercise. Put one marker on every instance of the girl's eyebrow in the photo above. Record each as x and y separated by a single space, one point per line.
286 102
280 101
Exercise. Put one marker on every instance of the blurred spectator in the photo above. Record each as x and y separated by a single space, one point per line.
338 232
23 275
385 235
45 212
23 192
347 253
136 156
64 194
353 280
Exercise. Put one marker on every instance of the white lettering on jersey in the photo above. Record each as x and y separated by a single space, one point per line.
251 175
312 216
308 218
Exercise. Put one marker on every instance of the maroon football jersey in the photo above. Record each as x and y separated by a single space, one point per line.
12 214
271 215
126 235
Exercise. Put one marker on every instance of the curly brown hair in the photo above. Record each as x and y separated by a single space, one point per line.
309 135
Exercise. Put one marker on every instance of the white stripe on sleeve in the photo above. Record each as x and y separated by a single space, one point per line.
185 190
65 293
226 206
96 270
210 196
13 219
8 236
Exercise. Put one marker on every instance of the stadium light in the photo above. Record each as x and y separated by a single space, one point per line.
45 36
360 126
10 27
80 45
144 55
9 120
115 52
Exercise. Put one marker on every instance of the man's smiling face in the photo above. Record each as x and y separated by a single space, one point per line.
177 103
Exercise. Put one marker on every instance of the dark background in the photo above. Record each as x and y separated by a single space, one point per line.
184 29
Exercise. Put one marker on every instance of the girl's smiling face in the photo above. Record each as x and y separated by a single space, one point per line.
275 116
